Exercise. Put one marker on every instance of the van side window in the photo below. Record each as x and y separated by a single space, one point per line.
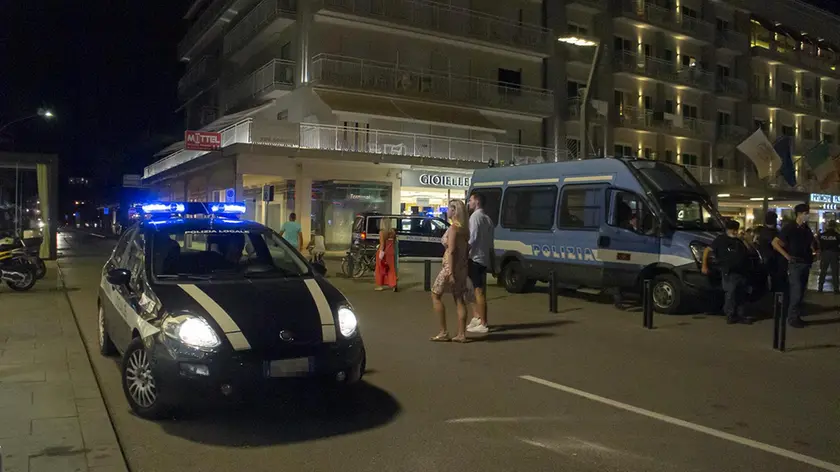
492 202
581 207
530 208
630 212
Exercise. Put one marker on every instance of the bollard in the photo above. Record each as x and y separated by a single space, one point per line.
552 292
427 275
778 317
783 324
647 304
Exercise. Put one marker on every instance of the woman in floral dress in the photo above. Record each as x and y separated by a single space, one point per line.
453 273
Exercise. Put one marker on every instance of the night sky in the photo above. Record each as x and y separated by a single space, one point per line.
109 71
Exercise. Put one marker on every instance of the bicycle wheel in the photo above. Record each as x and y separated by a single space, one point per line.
361 267
345 266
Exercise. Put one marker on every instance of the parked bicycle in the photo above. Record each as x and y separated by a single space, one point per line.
363 261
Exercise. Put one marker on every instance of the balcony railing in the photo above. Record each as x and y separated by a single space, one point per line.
372 76
236 133
277 73
207 19
381 142
691 127
731 40
599 5
670 19
829 108
825 64
731 86
198 72
784 99
449 19
261 16
656 68
632 117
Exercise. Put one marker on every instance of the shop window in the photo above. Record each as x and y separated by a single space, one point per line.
492 202
529 208
581 207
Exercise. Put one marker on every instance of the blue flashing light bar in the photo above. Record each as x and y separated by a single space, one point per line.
227 208
163 207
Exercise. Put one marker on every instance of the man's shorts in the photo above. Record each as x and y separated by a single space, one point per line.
478 275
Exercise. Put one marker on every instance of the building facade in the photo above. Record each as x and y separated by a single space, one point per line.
332 107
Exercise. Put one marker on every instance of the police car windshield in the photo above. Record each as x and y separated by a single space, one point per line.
224 254
690 212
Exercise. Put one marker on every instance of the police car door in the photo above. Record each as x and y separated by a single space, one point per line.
629 240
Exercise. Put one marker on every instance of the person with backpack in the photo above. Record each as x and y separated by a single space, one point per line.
732 256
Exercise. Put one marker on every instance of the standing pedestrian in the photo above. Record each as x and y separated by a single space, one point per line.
291 232
453 273
774 263
732 256
829 241
481 254
386 257
796 244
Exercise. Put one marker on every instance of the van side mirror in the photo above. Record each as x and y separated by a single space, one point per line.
119 277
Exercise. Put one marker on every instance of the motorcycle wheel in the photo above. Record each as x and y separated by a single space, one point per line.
40 269
25 284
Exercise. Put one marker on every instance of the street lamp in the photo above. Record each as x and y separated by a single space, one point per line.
42 112
584 42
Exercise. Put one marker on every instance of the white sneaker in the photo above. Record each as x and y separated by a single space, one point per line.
474 322
479 329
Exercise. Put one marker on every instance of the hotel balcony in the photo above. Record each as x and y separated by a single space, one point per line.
659 69
691 128
207 27
637 118
731 87
676 125
671 20
786 100
732 41
199 76
424 16
716 176
822 65
573 110
257 28
392 79
377 142
271 80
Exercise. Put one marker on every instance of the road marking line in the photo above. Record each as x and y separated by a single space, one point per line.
688 425
504 419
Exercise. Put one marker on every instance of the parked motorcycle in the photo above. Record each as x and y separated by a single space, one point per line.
23 252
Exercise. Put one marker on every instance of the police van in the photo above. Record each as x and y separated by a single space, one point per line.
602 223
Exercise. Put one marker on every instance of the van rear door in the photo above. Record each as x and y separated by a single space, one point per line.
629 240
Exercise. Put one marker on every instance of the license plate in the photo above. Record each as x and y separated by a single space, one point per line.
289 367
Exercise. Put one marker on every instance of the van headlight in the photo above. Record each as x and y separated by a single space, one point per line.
697 250
347 322
191 331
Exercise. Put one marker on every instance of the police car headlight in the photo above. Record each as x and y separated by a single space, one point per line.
697 249
347 322
191 331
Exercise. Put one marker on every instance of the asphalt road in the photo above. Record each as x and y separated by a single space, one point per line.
587 389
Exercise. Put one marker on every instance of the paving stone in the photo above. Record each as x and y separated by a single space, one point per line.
13 426
109 468
102 456
49 441
17 373
14 397
97 431
17 356
58 462
69 425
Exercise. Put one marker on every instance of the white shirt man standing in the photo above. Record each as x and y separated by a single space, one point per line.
481 253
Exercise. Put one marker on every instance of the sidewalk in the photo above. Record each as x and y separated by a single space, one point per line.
52 417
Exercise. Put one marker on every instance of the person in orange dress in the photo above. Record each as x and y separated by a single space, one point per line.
387 256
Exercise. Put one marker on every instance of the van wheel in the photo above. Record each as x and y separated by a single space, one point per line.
514 278
667 294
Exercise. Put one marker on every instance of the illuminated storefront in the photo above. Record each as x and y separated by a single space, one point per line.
826 207
430 192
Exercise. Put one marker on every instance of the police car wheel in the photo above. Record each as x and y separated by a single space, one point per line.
139 384
666 294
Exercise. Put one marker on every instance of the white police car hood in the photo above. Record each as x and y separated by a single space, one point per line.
250 315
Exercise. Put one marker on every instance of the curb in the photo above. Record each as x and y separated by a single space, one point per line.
96 377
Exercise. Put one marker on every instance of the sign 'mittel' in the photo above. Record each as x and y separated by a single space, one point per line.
202 140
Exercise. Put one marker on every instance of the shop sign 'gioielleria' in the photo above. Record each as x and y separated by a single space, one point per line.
435 179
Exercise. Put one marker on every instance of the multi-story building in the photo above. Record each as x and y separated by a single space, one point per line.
388 106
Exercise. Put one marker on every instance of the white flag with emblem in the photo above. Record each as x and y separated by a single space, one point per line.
760 151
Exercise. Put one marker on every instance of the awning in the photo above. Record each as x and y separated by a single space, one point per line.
404 110
218 125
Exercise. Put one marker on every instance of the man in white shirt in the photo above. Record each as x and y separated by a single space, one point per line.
481 253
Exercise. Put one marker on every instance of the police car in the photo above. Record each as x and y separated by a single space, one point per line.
200 302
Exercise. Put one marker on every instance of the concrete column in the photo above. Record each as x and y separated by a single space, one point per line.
304 24
396 189
660 147
303 203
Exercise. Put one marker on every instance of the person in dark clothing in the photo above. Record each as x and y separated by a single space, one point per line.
829 241
732 256
796 244
774 263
